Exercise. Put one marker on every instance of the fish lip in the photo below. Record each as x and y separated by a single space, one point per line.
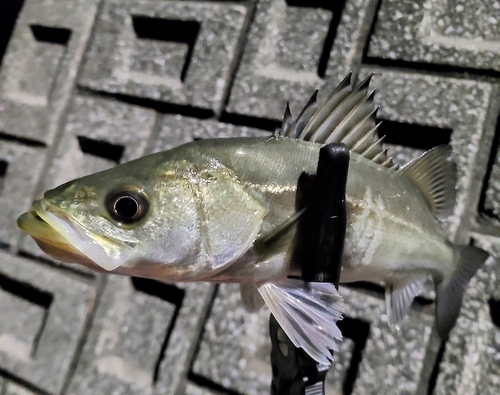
48 239
43 205
32 215
71 235
26 221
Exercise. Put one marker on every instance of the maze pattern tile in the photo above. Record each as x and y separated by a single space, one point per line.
449 32
85 85
17 186
125 351
39 341
281 62
178 52
41 64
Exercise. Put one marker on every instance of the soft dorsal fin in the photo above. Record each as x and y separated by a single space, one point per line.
434 174
348 116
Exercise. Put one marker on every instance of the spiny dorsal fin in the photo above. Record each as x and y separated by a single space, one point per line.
434 174
348 116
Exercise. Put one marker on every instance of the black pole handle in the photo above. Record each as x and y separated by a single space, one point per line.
318 253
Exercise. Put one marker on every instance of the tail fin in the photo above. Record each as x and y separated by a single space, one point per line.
450 292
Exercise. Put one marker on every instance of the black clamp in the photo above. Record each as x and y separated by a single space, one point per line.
318 251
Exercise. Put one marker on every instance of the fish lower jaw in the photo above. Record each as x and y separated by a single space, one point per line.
50 241
63 252
65 240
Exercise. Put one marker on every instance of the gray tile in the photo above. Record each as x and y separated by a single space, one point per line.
119 349
177 129
235 347
124 347
464 34
184 338
125 342
280 62
20 335
58 330
12 388
41 64
130 58
336 375
192 389
471 363
492 200
122 125
395 357
21 167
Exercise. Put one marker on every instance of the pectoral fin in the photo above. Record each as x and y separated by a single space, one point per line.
277 239
308 313
399 296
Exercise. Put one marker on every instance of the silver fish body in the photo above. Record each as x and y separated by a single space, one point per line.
391 231
202 211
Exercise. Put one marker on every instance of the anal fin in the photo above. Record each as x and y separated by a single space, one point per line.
399 297
308 313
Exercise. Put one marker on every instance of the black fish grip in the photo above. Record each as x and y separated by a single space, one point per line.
318 253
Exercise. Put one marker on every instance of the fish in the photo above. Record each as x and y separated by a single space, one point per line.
224 210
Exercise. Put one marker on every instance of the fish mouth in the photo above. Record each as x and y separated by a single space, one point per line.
60 237
49 240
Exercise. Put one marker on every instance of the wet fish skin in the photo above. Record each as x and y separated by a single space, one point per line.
384 209
390 228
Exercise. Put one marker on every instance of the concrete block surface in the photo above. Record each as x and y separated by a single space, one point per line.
137 51
87 85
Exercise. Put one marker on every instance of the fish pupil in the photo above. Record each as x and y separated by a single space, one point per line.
126 207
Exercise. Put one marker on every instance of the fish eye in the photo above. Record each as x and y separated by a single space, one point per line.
127 207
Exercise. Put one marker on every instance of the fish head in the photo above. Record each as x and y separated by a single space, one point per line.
128 219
